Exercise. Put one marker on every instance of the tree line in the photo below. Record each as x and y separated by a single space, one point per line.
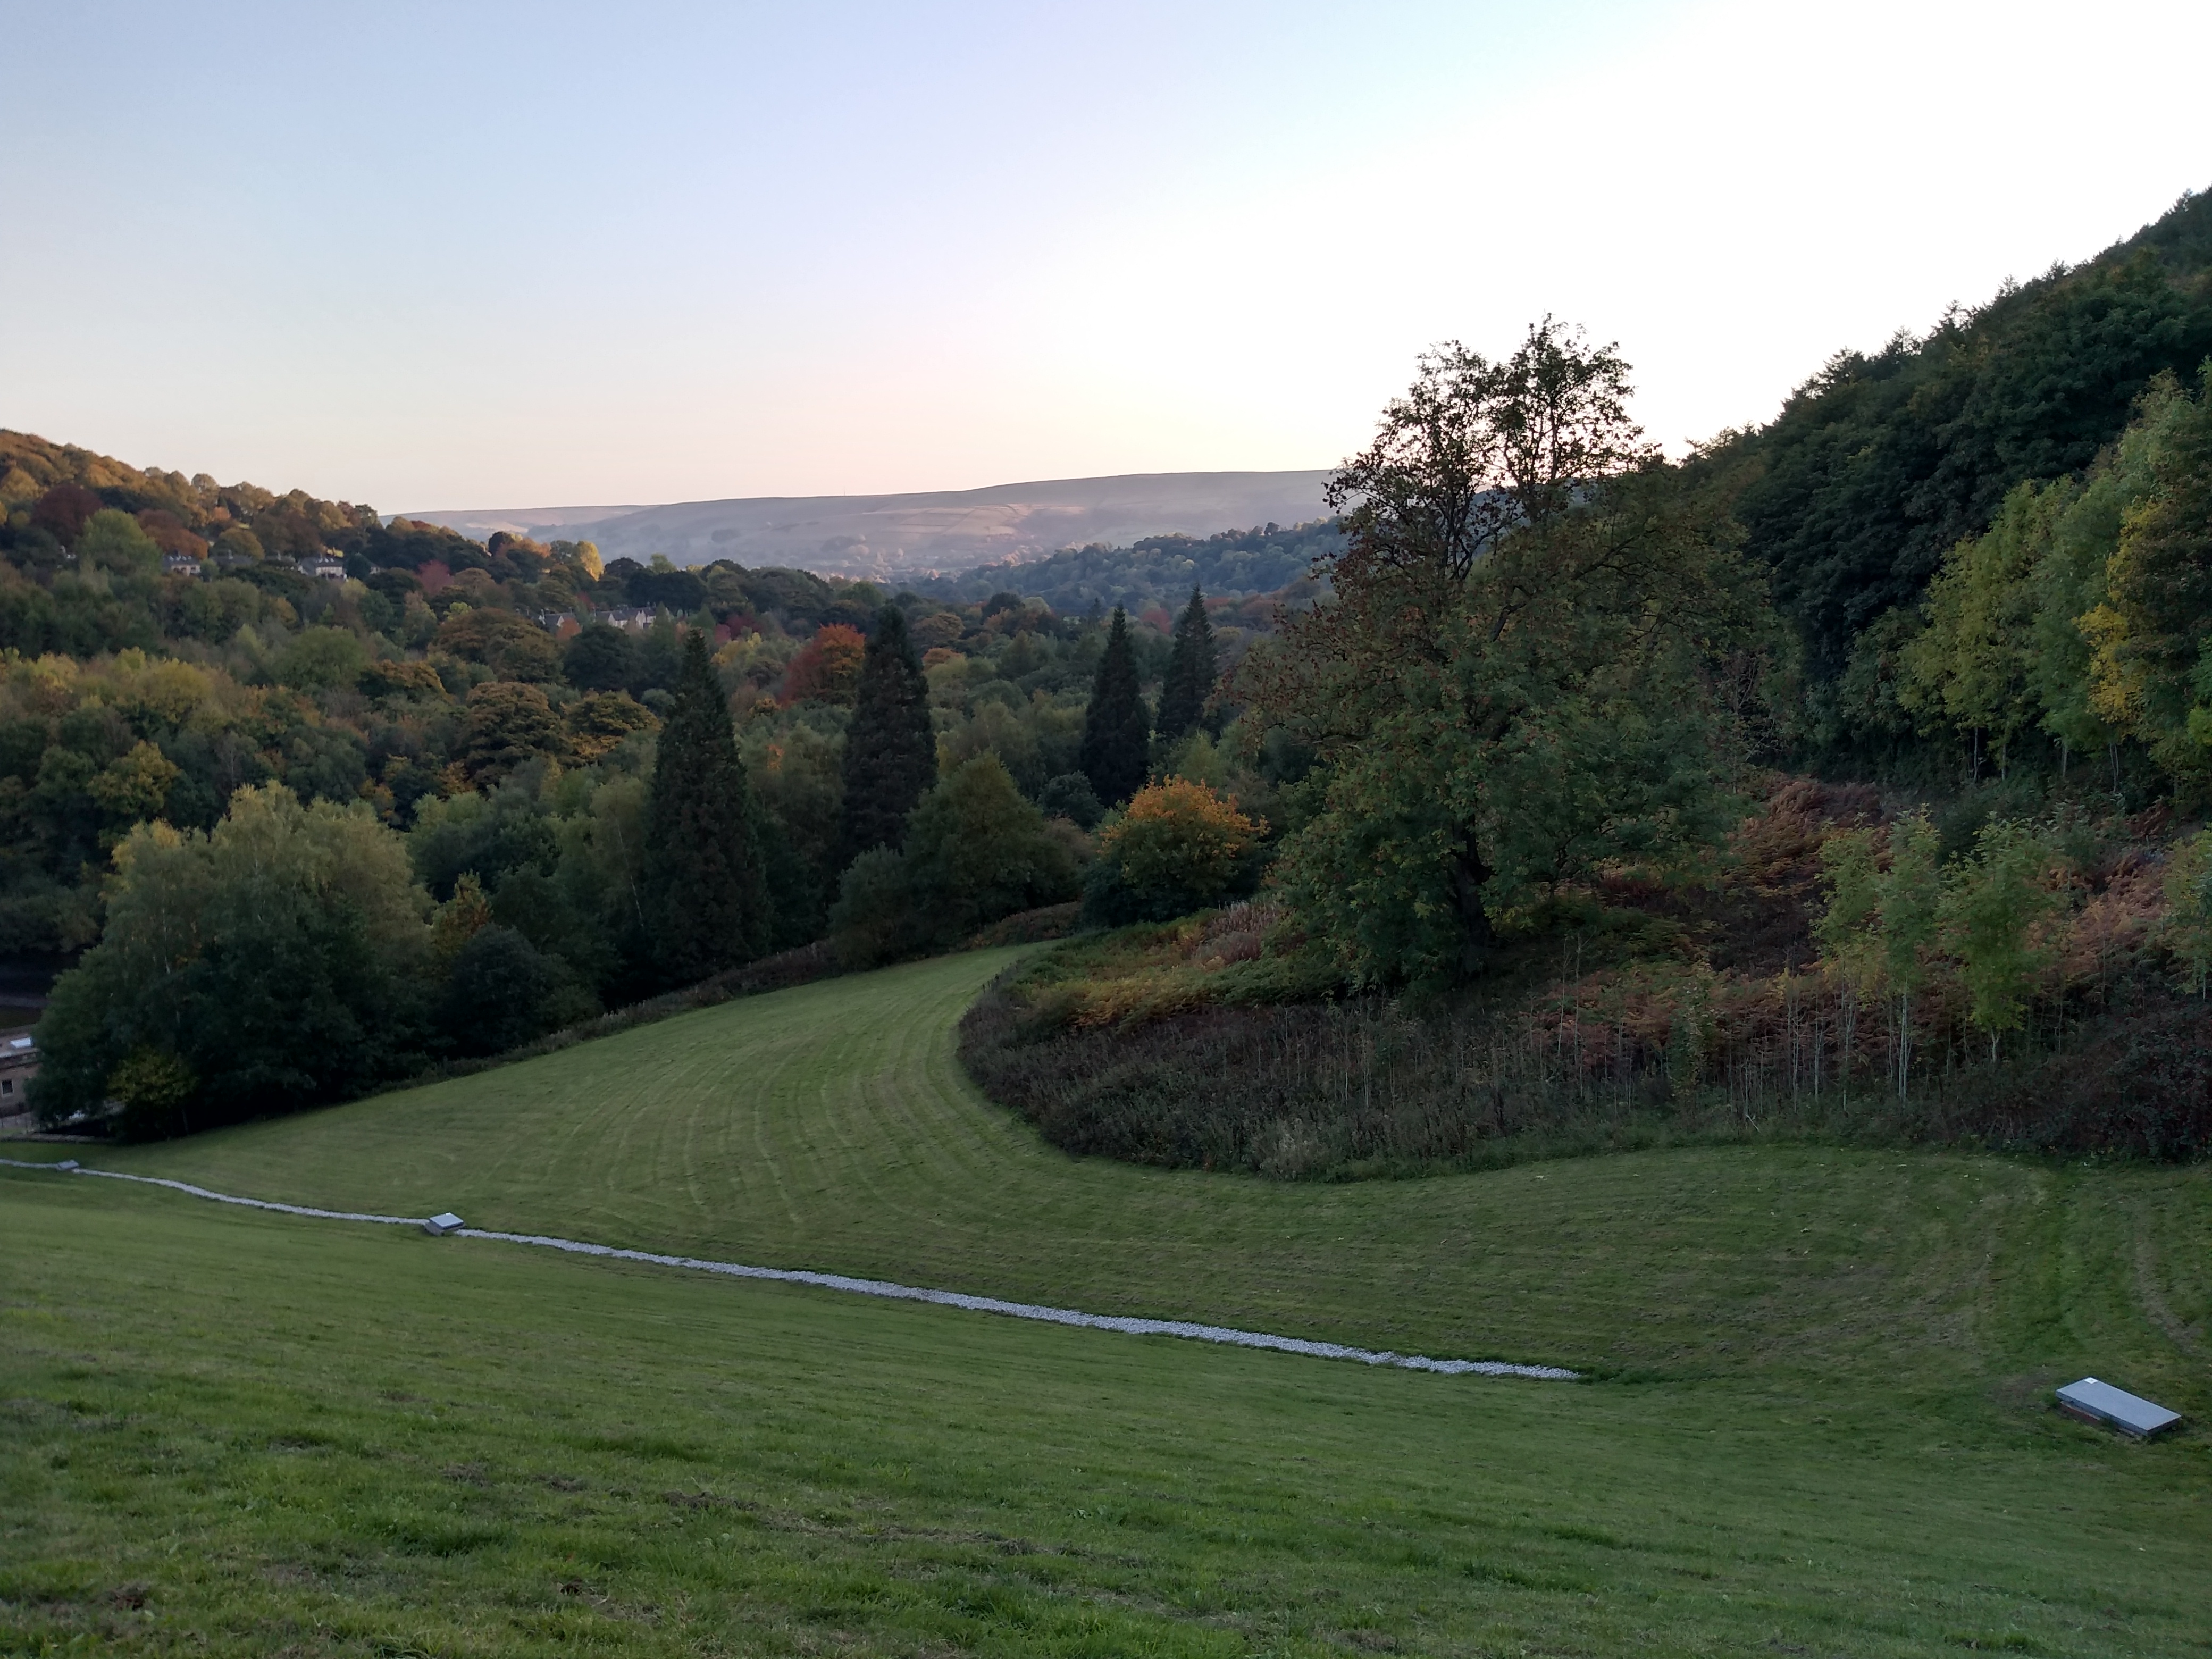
297 950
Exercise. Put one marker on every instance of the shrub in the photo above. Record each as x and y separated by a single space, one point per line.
975 851
503 992
872 921
1070 796
1178 847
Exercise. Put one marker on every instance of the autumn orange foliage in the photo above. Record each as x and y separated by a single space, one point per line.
827 668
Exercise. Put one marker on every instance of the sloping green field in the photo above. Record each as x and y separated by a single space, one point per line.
1821 1423
228 1432
831 1128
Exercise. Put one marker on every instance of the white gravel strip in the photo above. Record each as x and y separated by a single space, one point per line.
1124 1324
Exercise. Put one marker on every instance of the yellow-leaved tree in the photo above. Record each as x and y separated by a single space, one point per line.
1177 846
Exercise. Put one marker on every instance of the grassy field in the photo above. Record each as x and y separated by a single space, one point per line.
1821 1423
830 1126
233 1432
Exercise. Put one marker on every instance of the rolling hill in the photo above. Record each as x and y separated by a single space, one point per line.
928 532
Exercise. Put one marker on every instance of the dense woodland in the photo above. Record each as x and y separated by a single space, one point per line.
1862 753
1258 570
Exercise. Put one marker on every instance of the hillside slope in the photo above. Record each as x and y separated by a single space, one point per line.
829 1126
925 532
1880 462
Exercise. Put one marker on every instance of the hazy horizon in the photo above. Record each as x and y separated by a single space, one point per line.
567 254
906 533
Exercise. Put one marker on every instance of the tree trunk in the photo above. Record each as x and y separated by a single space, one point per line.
1477 938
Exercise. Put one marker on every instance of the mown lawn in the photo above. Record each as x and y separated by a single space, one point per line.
1820 1422
831 1128
230 1432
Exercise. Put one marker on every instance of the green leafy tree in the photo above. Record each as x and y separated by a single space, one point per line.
1516 681
705 897
598 883
2070 581
873 921
890 748
323 660
501 991
599 721
486 836
1846 931
600 658
1069 796
508 723
796 770
1190 680
1908 896
134 786
240 542
660 656
1991 905
975 851
2189 908
1973 662
2152 670
114 541
512 647
1116 726
271 963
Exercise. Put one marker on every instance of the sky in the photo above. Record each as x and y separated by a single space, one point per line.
452 255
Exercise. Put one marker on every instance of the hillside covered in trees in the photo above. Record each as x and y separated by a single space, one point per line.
453 760
1870 744
1552 842
1258 568
1882 465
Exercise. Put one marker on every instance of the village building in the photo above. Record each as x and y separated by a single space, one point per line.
630 618
19 1063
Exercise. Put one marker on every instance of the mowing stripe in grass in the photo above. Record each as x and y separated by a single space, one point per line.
991 1304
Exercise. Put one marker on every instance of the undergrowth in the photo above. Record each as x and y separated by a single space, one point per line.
1648 1016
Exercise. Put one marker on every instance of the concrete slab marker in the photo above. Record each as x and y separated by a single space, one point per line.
450 1225
2115 1409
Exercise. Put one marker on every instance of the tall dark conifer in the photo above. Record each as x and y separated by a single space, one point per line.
1190 680
890 749
1116 726
706 899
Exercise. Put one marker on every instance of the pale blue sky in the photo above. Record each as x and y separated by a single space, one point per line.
455 255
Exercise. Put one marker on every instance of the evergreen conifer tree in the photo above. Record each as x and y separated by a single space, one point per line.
1190 680
1116 726
890 750
706 898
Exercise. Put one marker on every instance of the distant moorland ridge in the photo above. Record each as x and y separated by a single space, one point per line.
922 533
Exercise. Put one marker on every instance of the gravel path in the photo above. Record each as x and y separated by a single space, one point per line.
878 1287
